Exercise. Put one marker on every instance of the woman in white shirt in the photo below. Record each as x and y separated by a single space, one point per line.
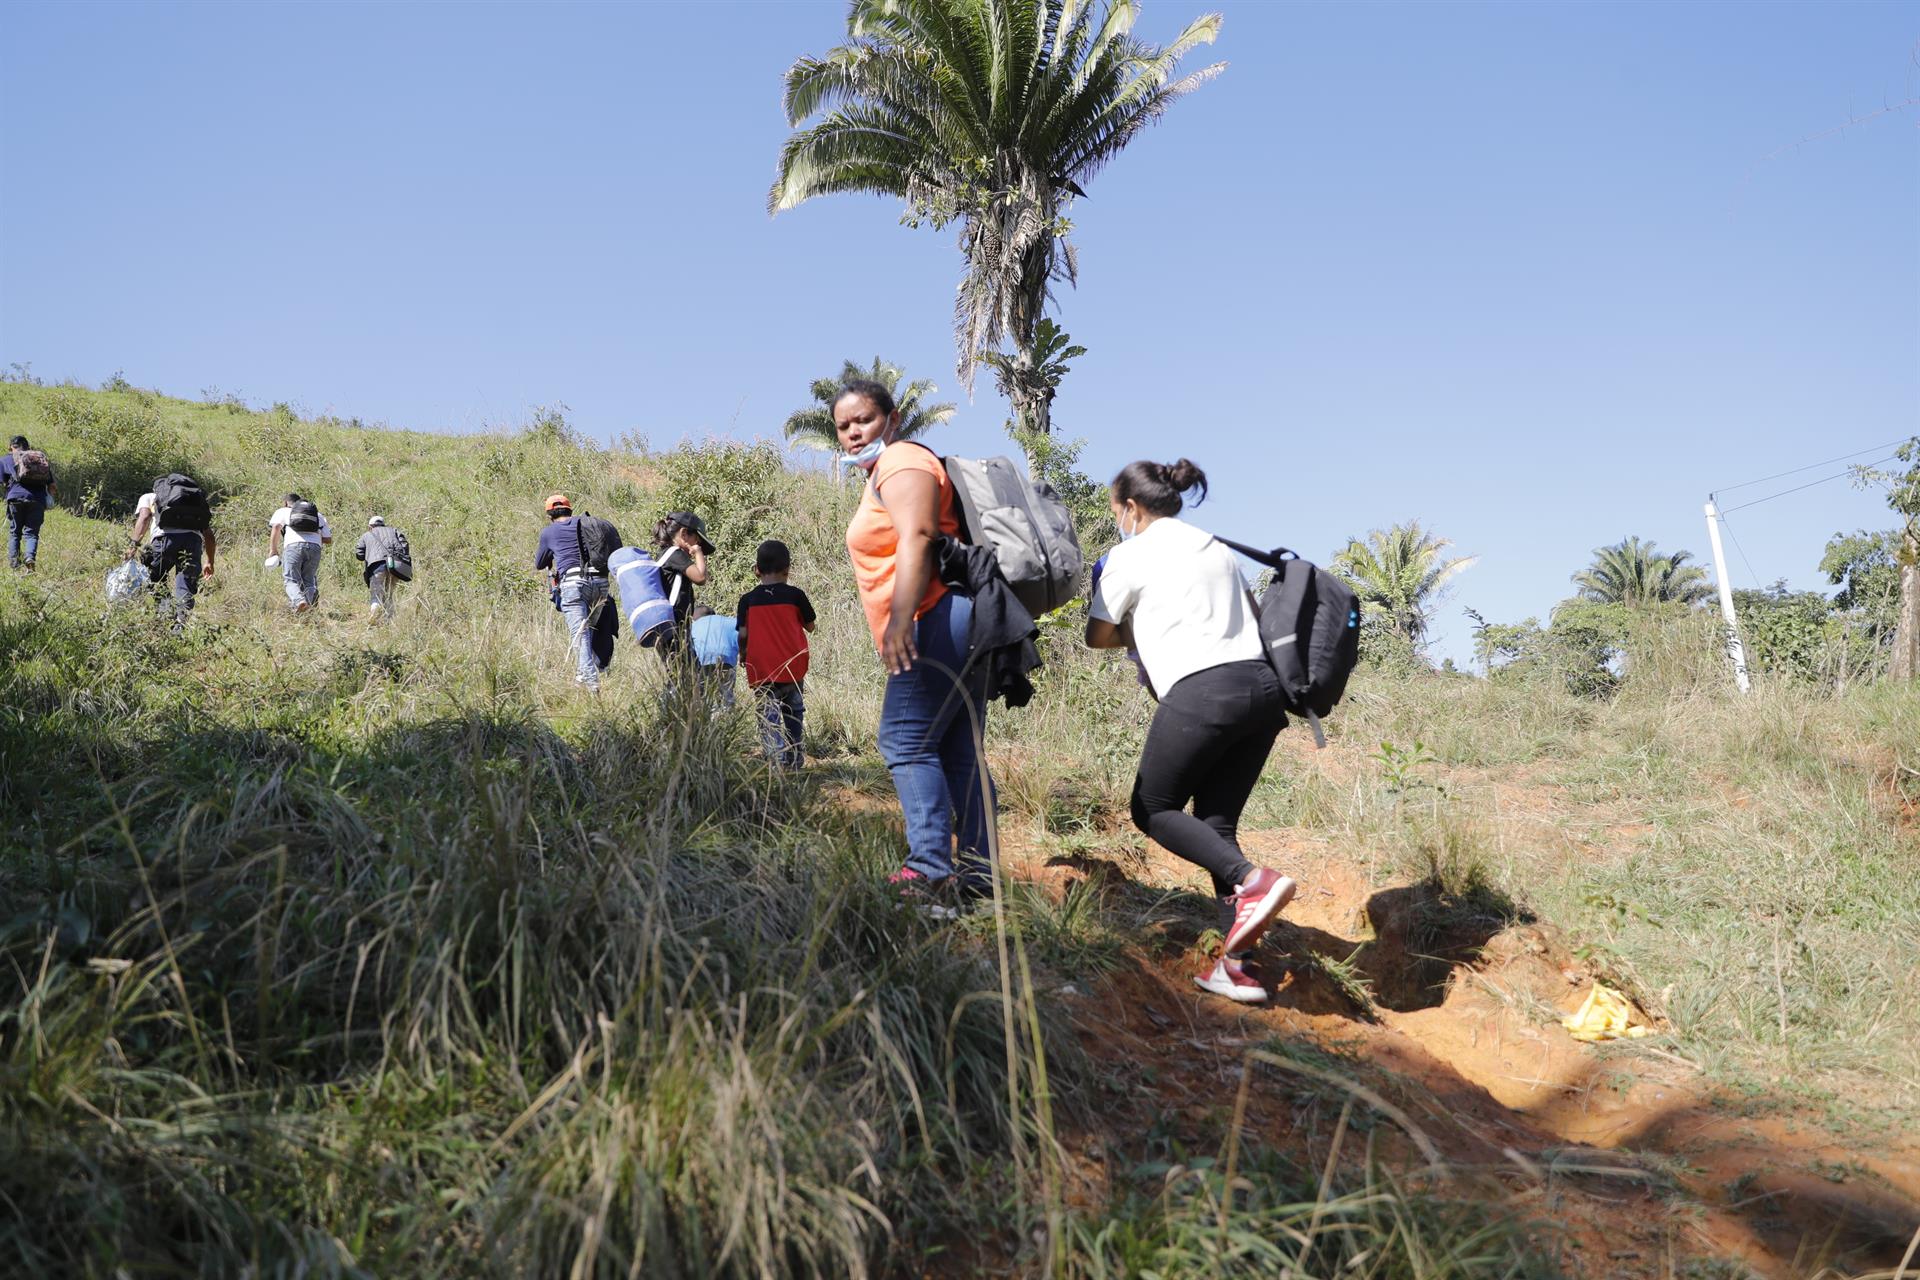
1174 595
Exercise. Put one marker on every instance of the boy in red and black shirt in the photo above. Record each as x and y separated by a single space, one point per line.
774 619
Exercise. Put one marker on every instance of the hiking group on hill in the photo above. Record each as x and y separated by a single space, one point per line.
952 560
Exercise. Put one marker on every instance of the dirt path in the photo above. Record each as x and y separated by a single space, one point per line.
1629 1160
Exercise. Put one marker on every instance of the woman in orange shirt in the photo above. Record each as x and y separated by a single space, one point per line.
931 721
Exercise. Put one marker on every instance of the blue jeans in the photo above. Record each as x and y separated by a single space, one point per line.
300 566
578 596
716 684
23 531
783 711
930 732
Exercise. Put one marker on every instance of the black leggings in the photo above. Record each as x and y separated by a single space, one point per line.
1208 743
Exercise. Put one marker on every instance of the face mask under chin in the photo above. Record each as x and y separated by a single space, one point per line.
864 458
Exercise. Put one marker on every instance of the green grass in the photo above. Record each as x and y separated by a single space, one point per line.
340 950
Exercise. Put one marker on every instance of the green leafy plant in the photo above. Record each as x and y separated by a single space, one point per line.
993 114
1399 766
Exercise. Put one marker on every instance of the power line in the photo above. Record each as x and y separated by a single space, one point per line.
1746 484
1838 475
1742 550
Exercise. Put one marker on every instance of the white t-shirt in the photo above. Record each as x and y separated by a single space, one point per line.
1184 595
291 534
149 503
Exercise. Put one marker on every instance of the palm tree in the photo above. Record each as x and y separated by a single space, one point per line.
990 113
812 427
1035 380
1398 572
1632 572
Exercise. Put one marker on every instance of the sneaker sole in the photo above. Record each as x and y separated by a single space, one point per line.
1239 995
1277 897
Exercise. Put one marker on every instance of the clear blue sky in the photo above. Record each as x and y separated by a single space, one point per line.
1540 275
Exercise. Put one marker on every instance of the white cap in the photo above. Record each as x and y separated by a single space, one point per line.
375 521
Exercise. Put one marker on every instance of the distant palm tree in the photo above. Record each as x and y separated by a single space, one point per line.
1397 572
1632 572
812 427
990 113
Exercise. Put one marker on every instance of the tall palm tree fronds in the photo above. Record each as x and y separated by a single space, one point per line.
812 427
990 113
1397 572
1632 572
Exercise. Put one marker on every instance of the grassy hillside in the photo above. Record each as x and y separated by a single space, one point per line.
348 950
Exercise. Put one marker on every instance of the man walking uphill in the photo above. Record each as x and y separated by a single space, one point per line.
179 519
27 478
388 560
297 532
573 551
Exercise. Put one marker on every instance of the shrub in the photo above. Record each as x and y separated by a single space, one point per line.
743 493
116 450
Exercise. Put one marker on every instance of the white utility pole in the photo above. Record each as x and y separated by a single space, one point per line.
1735 650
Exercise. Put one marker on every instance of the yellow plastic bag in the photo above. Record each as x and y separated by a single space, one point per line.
1605 1015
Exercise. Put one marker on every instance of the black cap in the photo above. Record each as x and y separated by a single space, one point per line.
688 520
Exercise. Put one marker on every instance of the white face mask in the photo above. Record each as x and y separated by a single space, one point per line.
866 457
1119 522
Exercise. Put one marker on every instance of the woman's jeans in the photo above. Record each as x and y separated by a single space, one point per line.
578 596
930 732
1208 743
23 531
300 566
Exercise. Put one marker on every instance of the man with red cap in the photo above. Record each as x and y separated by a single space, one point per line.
582 588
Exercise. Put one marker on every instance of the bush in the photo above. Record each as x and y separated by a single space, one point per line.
115 450
742 491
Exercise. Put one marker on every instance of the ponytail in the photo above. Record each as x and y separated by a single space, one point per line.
1158 486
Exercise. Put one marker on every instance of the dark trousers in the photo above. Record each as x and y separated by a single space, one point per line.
24 518
1207 744
783 710
177 552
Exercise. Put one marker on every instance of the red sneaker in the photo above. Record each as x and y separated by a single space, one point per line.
1230 980
1255 903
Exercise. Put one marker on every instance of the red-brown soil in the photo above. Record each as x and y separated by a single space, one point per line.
1628 1160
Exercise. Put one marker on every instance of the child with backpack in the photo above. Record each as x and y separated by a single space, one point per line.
296 533
774 620
174 521
27 478
1173 594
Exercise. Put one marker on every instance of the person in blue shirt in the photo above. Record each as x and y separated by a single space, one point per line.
580 590
716 648
28 480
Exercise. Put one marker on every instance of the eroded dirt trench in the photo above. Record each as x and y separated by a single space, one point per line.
1632 1164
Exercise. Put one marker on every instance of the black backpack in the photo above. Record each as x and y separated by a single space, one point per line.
1310 627
180 503
597 539
303 517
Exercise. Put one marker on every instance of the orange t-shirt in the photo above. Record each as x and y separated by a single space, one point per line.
872 539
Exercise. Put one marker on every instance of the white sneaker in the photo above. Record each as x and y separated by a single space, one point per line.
1230 980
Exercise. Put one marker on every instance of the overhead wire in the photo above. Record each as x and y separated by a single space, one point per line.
1751 572
1811 466
1838 475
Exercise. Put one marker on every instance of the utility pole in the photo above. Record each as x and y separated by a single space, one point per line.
1735 650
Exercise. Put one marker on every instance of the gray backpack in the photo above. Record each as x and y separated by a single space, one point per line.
1024 523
